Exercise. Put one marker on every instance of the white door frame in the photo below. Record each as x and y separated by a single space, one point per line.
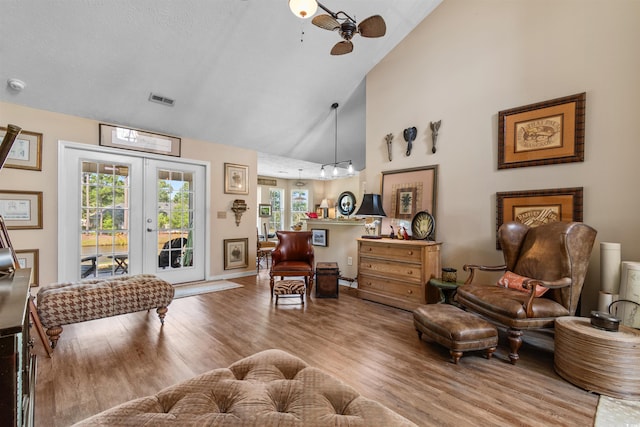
67 247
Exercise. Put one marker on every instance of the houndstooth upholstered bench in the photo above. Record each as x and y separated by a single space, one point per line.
73 302
270 388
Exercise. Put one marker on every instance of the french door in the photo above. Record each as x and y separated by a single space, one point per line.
125 214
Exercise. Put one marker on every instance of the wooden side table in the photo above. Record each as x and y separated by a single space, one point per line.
604 362
448 289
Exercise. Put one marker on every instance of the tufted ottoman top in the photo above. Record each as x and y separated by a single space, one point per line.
270 388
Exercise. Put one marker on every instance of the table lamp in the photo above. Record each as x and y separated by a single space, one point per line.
371 206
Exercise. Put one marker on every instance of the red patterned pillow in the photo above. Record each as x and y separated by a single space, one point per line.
514 281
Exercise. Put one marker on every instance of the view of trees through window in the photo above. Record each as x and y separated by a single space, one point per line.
299 206
277 209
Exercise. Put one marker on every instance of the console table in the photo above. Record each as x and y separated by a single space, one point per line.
396 272
17 364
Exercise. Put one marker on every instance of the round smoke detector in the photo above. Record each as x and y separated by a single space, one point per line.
16 84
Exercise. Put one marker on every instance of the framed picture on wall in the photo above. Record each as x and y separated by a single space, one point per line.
319 237
29 258
544 133
406 192
21 210
236 253
138 140
264 210
26 151
236 179
537 207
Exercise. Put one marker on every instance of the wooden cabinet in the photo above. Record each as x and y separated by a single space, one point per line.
17 364
396 272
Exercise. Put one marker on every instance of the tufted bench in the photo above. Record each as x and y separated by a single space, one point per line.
455 329
72 302
270 388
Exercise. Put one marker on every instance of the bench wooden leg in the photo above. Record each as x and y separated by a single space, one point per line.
162 312
54 334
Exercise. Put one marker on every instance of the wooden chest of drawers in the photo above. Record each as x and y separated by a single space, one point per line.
396 272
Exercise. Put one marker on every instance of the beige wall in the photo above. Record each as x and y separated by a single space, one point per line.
55 127
470 59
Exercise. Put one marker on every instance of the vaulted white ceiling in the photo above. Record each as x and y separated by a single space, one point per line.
246 73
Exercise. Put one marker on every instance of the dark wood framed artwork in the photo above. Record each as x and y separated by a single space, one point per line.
544 133
537 207
319 237
406 192
236 253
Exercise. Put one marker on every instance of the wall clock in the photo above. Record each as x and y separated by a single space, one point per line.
346 203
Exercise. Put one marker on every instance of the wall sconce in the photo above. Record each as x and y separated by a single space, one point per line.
239 207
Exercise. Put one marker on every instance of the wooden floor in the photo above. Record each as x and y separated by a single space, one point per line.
372 347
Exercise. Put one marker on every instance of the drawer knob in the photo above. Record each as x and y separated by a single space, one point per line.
409 272
409 291
410 252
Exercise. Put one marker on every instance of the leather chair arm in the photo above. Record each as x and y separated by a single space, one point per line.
531 284
276 256
471 268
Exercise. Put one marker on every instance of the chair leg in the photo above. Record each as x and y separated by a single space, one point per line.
271 282
310 285
515 341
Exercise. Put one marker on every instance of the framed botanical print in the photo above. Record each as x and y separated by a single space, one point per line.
236 179
236 253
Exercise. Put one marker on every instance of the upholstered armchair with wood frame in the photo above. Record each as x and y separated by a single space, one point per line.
546 267
293 256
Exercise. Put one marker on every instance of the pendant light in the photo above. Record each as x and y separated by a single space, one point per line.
335 151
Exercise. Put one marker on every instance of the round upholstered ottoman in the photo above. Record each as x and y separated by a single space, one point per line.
289 288
455 329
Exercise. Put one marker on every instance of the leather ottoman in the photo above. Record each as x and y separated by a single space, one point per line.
455 329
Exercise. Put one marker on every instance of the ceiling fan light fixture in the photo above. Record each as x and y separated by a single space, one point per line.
303 8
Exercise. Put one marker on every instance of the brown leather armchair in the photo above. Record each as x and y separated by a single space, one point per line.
293 256
554 256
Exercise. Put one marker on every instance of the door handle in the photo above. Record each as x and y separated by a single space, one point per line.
150 229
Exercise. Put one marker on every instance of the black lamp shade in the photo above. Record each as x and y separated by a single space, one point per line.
371 206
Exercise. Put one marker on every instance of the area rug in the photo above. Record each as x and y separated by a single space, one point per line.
617 412
192 289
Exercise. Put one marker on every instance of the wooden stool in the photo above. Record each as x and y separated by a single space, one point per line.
289 288
455 329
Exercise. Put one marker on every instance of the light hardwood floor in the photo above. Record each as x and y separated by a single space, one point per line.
372 347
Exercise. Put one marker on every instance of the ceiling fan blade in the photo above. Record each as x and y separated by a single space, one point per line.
341 48
373 26
326 22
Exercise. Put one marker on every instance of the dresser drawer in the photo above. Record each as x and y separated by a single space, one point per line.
392 288
401 271
391 251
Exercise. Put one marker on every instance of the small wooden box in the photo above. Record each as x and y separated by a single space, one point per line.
327 274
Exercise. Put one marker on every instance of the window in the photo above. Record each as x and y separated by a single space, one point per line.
299 206
277 209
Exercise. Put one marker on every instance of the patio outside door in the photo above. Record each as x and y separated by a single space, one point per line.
129 215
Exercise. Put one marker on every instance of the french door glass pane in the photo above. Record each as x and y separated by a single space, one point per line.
104 221
175 218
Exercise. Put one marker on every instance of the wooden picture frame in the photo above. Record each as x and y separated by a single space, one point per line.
21 210
536 207
544 133
236 179
264 210
236 253
26 151
138 140
406 192
319 237
30 258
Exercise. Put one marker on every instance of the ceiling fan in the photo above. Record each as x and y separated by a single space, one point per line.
373 26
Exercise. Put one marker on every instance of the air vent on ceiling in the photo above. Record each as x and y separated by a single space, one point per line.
161 99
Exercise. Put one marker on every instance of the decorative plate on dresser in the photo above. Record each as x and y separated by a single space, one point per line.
422 226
